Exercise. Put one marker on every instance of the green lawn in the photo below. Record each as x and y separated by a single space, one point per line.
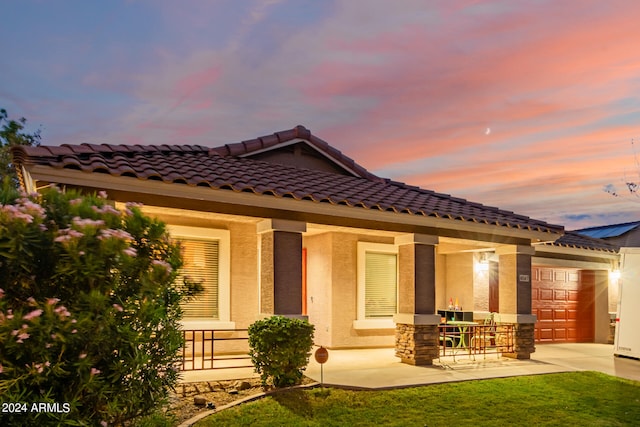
567 399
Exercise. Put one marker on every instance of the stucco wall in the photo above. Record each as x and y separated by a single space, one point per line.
332 291
460 280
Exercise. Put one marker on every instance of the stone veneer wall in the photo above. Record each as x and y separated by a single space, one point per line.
524 343
417 344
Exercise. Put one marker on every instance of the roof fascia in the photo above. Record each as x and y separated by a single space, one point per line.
250 199
542 248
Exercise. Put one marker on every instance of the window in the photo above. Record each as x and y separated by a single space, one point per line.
206 259
201 264
377 285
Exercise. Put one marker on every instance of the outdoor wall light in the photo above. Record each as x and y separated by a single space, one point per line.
481 265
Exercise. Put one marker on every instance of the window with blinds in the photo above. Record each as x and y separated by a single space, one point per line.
201 263
381 290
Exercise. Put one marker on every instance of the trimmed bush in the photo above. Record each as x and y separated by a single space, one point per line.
89 313
280 349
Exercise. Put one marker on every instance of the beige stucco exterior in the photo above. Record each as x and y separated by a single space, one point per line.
332 291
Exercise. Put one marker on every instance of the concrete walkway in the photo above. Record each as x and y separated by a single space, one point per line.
380 369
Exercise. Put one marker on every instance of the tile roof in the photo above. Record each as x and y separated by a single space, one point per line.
201 166
572 239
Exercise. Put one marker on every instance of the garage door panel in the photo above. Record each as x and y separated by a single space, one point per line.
559 276
563 301
546 274
546 334
545 294
559 334
559 295
545 314
560 314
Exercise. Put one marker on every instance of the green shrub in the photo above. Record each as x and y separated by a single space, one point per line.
280 349
89 314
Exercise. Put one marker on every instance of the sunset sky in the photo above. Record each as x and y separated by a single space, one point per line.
531 106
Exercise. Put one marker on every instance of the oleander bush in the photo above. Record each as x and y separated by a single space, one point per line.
89 313
280 348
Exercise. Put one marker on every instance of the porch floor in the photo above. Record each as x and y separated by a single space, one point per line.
379 368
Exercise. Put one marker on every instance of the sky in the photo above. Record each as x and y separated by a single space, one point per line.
530 106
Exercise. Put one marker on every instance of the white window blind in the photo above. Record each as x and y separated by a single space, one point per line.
381 272
201 263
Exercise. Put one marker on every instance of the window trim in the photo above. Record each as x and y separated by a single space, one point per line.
361 321
224 274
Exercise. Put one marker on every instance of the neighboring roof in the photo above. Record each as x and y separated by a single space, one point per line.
204 167
572 239
606 231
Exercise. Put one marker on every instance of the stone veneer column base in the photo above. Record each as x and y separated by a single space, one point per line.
524 341
417 344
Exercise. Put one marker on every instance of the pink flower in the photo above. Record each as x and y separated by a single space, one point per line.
74 331
53 301
10 314
95 371
62 311
31 301
23 336
82 355
104 423
32 315
130 252
102 194
1 292
84 222
1 369
162 264
117 307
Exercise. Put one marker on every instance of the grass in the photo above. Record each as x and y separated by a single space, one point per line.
568 399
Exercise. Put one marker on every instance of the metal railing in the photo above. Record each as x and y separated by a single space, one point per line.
215 349
475 339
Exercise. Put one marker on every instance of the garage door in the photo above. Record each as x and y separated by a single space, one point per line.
563 301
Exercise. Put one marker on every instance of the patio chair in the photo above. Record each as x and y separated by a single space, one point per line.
487 336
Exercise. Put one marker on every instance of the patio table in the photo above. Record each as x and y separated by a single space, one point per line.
463 328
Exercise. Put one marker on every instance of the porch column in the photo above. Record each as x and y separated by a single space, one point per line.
416 321
281 267
515 297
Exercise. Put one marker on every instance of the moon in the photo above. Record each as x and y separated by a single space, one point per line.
488 131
